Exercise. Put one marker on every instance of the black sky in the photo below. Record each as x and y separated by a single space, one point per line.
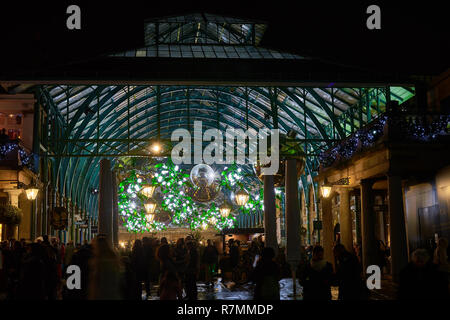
414 35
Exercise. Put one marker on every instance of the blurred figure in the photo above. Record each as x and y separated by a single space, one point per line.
440 257
421 279
170 288
50 259
317 277
32 275
149 257
349 275
180 257
104 272
129 284
266 277
68 254
192 271
285 268
81 258
138 264
210 259
166 262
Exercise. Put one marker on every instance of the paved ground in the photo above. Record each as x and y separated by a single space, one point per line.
232 291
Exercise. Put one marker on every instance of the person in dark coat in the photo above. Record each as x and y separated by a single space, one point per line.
32 276
138 263
180 257
421 279
149 257
266 277
81 259
317 277
348 275
210 259
192 271
50 259
129 284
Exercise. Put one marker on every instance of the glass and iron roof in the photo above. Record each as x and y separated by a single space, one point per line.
103 119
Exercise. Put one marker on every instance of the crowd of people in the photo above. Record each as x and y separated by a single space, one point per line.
38 270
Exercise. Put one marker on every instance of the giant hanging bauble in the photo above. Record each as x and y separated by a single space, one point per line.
202 175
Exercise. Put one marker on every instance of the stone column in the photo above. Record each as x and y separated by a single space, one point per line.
345 219
105 201
270 222
398 241
89 230
327 229
369 250
12 231
292 217
115 223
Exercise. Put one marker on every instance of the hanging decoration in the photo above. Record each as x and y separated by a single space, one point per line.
173 185
132 206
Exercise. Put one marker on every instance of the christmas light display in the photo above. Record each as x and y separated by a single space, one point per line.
25 157
173 183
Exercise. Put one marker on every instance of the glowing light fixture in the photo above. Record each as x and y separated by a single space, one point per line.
156 147
150 206
225 210
32 192
326 191
241 197
148 190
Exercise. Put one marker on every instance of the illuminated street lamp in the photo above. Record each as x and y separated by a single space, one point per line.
148 190
225 210
150 206
156 147
326 190
241 197
31 192
150 217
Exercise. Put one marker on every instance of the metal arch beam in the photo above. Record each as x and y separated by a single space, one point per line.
92 167
138 111
92 176
53 107
337 98
234 94
318 125
87 118
142 126
88 172
74 121
240 97
330 114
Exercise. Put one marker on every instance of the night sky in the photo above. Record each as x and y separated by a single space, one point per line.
414 35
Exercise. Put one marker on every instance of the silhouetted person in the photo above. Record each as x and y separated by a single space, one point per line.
192 271
170 287
266 277
348 275
32 275
180 257
317 277
210 259
149 258
129 284
104 281
138 263
50 259
81 258
420 279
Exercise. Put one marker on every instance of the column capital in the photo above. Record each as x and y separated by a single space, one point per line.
342 190
13 192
